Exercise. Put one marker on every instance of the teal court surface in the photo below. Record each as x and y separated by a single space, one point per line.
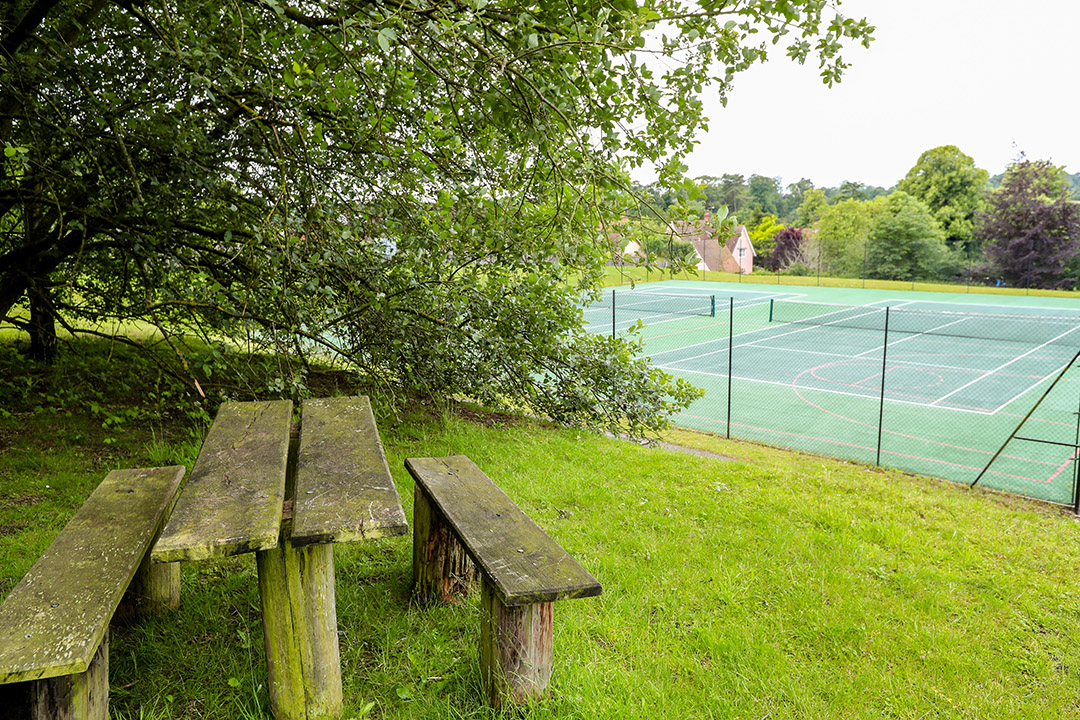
814 369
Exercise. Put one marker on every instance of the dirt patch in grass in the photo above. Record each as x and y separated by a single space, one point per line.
8 529
14 501
488 418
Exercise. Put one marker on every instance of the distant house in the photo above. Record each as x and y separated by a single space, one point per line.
734 256
741 251
633 250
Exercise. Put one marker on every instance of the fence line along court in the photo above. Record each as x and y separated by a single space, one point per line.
912 380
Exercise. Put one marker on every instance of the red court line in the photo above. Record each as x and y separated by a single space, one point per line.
1063 466
795 389
873 449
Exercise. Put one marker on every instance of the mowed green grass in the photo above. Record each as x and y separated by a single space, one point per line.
773 585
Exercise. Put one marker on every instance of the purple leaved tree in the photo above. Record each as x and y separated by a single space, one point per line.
1031 228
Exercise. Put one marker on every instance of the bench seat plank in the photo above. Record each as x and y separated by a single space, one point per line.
522 562
232 503
53 621
344 491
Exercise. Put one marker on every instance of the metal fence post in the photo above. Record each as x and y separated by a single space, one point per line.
1076 467
881 406
730 344
613 314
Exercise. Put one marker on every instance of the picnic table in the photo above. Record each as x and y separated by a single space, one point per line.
262 484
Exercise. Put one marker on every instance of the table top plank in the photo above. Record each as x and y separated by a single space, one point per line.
344 491
53 621
522 561
232 502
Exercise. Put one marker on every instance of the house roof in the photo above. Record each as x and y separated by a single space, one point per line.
733 241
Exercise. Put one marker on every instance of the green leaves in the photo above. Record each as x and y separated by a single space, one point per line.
418 190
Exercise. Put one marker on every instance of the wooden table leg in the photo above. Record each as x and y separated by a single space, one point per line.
155 589
515 648
300 627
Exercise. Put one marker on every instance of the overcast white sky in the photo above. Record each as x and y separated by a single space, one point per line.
991 77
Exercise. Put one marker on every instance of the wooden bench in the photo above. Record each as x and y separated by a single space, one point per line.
54 641
259 487
459 514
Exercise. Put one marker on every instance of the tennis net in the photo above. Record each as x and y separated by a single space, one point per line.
647 303
1005 327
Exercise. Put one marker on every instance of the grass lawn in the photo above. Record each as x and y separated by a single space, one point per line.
772 585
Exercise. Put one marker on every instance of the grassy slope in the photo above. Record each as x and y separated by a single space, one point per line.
777 585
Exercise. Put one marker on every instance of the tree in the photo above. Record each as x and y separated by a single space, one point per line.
851 190
906 242
953 188
788 248
710 190
842 233
733 192
791 201
421 189
1030 228
765 198
763 235
813 205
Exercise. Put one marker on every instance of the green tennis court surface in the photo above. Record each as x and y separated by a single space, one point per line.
806 371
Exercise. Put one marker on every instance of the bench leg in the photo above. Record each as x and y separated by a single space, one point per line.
154 589
300 629
441 567
68 697
515 648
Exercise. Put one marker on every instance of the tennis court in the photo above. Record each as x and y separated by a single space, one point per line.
814 369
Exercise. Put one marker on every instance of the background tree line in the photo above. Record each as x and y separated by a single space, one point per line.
945 220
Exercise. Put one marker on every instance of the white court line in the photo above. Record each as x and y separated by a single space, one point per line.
747 297
1002 367
724 340
630 325
892 363
787 384
1003 307
771 337
1029 388
912 337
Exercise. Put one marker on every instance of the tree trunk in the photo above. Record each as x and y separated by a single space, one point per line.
42 324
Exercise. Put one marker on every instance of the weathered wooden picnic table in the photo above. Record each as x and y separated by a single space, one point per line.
261 485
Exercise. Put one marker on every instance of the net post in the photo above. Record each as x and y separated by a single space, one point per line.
712 306
771 300
881 403
730 343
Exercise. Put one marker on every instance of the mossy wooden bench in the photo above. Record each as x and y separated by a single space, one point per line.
459 514
259 487
54 625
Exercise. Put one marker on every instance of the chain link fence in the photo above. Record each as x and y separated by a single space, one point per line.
987 397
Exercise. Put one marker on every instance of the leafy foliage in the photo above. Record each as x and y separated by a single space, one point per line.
812 206
788 248
763 235
952 187
423 190
1030 228
842 232
905 242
